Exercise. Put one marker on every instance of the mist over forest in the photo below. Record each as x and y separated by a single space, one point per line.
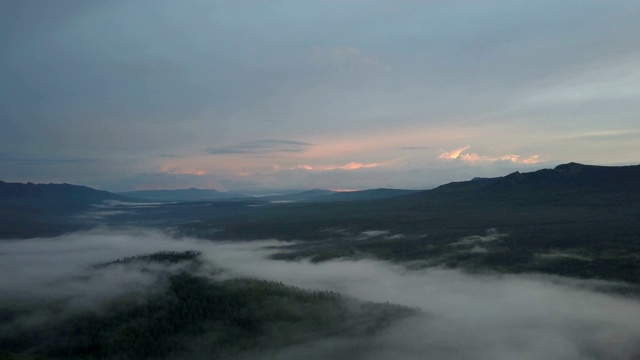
539 265
340 309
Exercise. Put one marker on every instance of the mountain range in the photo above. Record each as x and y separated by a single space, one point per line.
191 194
551 195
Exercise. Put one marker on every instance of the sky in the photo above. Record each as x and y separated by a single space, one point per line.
257 96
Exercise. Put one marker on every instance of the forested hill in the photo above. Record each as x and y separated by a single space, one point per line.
566 182
587 214
28 210
43 193
185 314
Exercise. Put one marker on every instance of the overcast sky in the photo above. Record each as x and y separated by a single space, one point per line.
256 95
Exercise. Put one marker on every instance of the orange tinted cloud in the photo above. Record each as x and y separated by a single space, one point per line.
356 166
168 169
460 154
348 166
532 160
453 154
303 167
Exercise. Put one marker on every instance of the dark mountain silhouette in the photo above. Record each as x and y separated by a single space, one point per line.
308 195
371 194
42 194
322 195
46 209
587 214
191 194
570 182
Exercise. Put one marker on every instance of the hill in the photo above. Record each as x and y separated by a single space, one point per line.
184 314
45 209
191 194
567 182
72 194
322 195
308 195
370 194
576 220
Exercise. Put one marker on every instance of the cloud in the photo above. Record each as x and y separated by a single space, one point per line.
261 147
51 269
357 165
473 157
169 169
459 154
302 167
453 154
466 316
351 166
348 166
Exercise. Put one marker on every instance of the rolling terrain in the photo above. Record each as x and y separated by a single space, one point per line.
375 274
576 220
29 210
191 194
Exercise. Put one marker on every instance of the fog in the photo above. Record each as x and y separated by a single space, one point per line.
464 316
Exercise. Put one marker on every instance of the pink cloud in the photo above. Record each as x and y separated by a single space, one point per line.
459 153
532 160
453 154
356 166
348 166
303 167
167 169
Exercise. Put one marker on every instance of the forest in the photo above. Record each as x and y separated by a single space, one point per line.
188 315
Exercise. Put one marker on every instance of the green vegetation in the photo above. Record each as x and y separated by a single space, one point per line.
193 314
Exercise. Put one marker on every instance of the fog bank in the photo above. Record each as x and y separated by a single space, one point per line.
466 316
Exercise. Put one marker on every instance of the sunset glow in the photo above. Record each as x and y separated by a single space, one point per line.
278 95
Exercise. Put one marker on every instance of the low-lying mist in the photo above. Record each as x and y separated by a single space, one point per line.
463 316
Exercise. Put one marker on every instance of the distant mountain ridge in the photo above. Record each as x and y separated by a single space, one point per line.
191 194
370 194
313 195
572 220
323 195
308 195
44 209
566 181
566 177
576 175
54 192
28 210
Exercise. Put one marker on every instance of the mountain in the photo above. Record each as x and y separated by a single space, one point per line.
191 194
573 220
370 194
571 183
308 195
322 195
29 209
43 194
